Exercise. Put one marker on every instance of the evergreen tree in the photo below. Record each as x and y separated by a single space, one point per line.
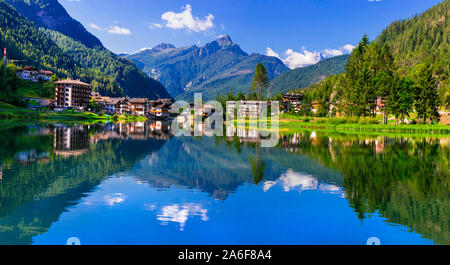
426 93
260 79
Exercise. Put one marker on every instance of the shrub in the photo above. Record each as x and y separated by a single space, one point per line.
306 120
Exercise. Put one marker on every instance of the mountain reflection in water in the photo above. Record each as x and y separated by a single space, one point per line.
49 170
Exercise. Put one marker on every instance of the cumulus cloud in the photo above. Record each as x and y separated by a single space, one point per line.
185 20
301 59
297 59
348 47
119 30
333 52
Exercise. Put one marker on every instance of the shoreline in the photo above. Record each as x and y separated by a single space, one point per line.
9 115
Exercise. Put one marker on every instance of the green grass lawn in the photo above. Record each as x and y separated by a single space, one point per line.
25 114
292 123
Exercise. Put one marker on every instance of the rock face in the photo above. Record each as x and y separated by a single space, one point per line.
214 68
50 14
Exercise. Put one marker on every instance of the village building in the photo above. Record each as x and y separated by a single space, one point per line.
138 106
162 110
121 105
380 105
101 101
248 109
72 93
292 99
34 75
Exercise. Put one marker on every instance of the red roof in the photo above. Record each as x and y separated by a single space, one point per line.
45 72
29 68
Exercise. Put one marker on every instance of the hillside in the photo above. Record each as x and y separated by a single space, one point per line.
52 50
424 37
304 77
215 67
51 15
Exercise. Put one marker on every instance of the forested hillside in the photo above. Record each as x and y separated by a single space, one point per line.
51 15
425 38
306 76
49 49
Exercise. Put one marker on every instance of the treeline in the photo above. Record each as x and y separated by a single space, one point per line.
372 79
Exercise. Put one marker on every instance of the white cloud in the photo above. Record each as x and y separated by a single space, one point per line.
270 52
301 59
294 59
333 52
185 20
95 26
155 26
119 30
348 47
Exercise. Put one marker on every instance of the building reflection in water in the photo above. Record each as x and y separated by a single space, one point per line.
76 140
70 141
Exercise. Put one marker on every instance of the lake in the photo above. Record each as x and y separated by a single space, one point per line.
137 184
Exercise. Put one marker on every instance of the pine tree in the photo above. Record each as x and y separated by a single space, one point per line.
426 93
260 79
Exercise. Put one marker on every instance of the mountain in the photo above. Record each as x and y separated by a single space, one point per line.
214 68
50 49
306 76
52 15
424 37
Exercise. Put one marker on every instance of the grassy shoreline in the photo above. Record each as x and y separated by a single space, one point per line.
290 123
11 114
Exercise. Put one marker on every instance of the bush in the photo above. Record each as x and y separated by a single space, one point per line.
306 120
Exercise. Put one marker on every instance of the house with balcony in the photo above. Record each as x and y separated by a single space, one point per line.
72 93
138 106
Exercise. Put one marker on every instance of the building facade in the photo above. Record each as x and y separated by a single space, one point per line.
33 74
138 106
72 93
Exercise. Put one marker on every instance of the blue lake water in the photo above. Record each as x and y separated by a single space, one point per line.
136 184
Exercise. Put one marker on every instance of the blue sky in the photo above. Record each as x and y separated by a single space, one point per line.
294 30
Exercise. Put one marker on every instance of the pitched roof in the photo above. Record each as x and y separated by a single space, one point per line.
116 100
138 100
29 68
73 82
45 72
